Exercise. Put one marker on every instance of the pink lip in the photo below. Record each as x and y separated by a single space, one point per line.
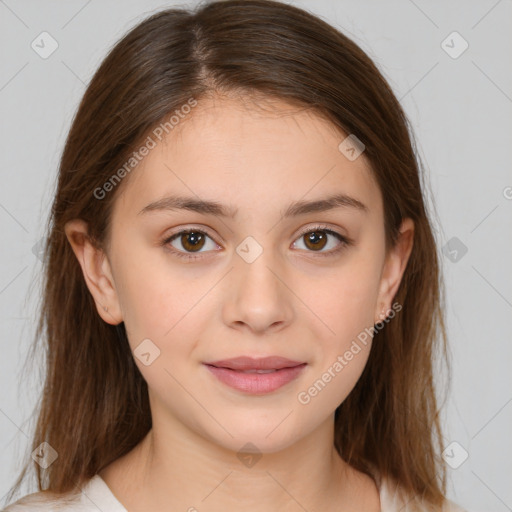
231 373
251 363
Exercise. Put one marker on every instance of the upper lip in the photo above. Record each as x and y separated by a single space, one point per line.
250 363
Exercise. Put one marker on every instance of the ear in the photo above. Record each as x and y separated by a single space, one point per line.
394 268
96 270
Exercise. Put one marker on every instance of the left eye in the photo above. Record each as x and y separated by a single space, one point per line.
317 239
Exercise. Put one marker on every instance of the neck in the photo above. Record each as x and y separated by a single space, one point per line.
174 468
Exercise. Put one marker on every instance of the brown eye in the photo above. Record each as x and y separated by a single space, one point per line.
318 238
192 240
315 240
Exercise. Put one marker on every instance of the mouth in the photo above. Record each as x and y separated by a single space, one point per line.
256 376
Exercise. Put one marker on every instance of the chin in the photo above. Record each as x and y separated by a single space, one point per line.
268 436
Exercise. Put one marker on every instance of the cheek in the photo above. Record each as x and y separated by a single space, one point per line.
166 309
342 349
158 302
346 300
346 305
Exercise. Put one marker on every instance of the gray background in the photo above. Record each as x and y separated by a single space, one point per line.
460 109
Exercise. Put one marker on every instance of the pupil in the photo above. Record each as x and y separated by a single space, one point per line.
315 237
192 240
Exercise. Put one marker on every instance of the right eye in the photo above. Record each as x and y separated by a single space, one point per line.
191 242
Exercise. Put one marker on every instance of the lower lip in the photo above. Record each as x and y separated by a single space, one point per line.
256 383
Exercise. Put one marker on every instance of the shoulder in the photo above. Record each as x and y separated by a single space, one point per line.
394 500
93 495
44 501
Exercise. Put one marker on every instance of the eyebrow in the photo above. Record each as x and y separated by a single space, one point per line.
219 210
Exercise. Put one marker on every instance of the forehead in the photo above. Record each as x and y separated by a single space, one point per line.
251 153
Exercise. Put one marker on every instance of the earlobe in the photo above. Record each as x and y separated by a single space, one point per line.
96 271
394 268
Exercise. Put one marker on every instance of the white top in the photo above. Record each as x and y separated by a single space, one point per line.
96 495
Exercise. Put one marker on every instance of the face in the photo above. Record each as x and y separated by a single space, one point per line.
269 278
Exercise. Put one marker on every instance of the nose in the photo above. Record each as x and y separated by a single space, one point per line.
258 299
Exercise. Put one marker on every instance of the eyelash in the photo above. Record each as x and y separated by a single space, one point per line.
344 241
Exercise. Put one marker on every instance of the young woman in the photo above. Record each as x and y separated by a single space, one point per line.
242 293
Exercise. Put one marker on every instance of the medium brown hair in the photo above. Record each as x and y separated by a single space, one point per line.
94 406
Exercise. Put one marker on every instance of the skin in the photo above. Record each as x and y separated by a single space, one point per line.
291 301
